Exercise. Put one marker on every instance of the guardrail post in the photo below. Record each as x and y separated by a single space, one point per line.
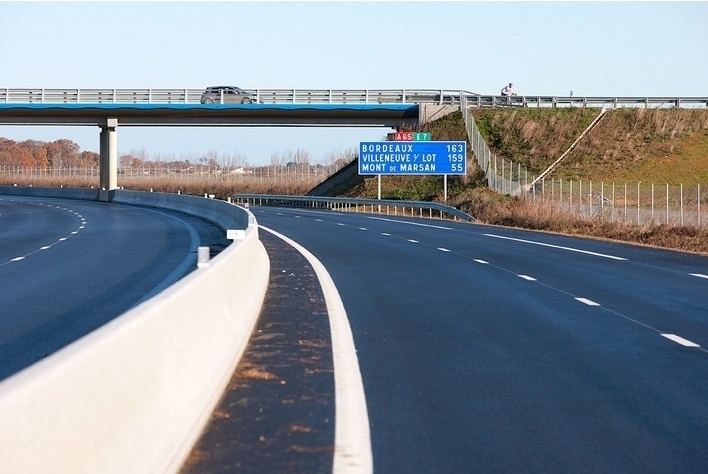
202 257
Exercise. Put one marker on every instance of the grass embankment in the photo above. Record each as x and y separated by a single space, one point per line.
628 145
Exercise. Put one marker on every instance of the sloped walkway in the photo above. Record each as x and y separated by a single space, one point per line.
553 165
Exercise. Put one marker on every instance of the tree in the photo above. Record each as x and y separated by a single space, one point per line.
89 159
234 160
70 153
38 150
12 154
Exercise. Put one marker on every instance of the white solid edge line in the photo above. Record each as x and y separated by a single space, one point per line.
543 244
352 440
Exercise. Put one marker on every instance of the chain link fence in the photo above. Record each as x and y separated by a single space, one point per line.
503 176
303 173
646 204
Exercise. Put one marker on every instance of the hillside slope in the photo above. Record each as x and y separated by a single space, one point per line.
628 145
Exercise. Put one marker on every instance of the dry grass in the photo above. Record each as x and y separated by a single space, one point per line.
491 208
220 188
252 372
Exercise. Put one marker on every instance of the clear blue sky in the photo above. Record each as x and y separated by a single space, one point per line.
544 48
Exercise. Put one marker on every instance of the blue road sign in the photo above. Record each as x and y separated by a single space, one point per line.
416 158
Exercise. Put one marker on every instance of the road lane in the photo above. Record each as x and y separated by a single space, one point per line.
67 267
482 354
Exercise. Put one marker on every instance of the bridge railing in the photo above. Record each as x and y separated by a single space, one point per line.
266 96
338 96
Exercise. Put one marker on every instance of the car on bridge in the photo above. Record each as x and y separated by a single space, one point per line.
227 95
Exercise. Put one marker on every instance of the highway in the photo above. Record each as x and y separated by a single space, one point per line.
481 349
67 267
492 350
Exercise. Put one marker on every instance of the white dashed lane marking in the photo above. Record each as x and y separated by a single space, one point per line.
680 340
587 302
61 239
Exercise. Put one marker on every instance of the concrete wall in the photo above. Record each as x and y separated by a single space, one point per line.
134 395
430 112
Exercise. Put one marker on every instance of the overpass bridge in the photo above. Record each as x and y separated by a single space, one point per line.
110 108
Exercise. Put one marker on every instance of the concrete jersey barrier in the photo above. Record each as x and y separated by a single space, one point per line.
134 395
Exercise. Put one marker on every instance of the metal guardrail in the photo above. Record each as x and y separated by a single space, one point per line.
430 210
336 96
599 102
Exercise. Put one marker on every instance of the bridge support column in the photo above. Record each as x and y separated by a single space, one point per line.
108 164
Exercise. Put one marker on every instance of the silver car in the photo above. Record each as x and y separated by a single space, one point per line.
227 95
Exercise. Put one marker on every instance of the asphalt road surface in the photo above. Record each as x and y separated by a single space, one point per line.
69 266
491 350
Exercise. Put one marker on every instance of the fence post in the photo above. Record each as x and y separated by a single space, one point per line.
638 183
667 203
502 177
682 204
652 203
